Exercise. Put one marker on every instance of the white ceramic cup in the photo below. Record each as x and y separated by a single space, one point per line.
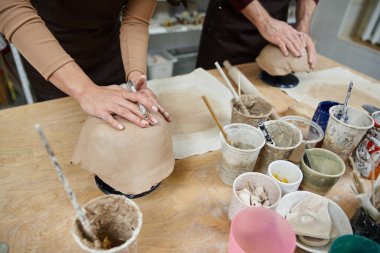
288 170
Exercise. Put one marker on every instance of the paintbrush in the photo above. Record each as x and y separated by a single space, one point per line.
80 213
307 158
205 100
342 114
358 182
229 85
267 136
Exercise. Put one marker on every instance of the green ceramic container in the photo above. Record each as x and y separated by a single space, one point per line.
327 168
354 244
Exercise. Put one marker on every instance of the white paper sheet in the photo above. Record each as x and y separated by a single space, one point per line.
332 84
193 129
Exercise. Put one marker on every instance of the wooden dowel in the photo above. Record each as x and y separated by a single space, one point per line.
239 87
205 100
229 85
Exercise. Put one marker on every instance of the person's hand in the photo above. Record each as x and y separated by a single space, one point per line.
310 47
111 102
283 35
139 80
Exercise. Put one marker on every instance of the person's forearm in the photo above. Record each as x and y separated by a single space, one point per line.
256 13
21 25
134 36
304 14
71 79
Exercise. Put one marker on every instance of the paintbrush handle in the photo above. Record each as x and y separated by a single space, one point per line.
345 107
265 133
205 100
81 215
228 83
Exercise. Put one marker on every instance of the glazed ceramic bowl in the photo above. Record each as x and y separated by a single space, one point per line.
257 179
326 169
290 171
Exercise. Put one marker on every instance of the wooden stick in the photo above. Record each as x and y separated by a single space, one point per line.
247 86
81 215
205 100
229 85
239 87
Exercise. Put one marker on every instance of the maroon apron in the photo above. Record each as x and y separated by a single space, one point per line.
228 35
88 30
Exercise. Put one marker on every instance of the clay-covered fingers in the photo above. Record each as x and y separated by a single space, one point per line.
151 96
310 47
312 52
295 44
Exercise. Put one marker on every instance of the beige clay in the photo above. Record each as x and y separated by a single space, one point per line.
132 160
312 212
252 196
275 63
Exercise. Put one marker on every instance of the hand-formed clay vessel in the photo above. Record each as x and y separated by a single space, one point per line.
132 160
274 62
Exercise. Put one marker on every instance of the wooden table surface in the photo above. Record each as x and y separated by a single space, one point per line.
187 213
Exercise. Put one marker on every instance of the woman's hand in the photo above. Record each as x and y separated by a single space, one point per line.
106 102
139 80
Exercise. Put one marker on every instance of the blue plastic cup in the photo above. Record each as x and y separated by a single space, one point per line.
321 114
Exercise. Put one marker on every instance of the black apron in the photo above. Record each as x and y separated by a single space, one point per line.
88 30
228 35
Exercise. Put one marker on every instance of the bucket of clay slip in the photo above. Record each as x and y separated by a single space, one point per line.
312 134
342 138
114 216
286 137
258 108
241 157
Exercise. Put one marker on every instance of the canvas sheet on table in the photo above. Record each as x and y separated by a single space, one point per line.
193 129
332 84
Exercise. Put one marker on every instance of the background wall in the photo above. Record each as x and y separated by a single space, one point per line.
333 23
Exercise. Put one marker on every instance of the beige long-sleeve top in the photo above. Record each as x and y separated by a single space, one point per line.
23 27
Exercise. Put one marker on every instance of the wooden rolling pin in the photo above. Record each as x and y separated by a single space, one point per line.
246 86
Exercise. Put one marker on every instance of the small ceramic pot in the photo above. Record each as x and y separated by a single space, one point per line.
354 244
288 170
321 115
327 168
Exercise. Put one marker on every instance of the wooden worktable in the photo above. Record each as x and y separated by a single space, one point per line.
187 213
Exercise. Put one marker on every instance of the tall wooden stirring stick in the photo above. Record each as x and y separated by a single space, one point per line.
81 215
205 100
228 83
